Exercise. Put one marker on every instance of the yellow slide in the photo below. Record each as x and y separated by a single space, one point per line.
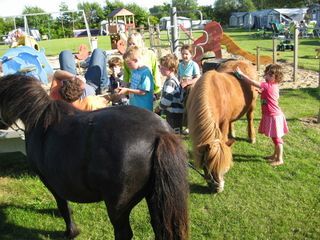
233 48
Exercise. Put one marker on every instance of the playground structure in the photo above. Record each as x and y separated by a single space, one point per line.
211 40
118 23
30 32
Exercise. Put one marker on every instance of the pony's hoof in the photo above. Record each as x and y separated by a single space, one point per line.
72 233
216 188
252 140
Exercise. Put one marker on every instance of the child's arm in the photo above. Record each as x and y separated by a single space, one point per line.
195 75
241 76
60 75
126 91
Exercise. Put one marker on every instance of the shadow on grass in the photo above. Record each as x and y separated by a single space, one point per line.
9 230
313 92
14 165
247 158
196 188
310 43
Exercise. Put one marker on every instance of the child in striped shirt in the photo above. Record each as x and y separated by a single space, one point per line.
171 101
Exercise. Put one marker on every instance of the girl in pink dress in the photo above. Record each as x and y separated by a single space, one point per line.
273 123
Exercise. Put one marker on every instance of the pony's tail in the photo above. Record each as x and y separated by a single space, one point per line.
169 197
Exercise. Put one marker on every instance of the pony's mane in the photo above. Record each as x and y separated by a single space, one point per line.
23 97
204 130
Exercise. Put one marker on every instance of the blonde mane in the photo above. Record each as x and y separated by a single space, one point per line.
218 99
208 143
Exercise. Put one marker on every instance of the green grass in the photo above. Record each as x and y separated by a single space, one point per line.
306 48
259 201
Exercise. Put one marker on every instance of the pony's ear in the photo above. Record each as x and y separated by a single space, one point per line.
203 147
230 142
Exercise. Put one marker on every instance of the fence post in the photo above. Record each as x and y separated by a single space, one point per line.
295 53
274 51
258 58
174 30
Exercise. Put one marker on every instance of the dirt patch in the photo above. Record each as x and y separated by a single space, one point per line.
304 79
310 122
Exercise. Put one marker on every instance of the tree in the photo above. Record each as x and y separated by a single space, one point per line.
264 4
246 6
224 8
187 7
94 13
39 22
207 12
140 15
110 6
160 11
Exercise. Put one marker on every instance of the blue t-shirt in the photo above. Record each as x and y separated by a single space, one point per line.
142 79
191 69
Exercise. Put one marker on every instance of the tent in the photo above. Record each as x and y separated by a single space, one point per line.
264 18
313 13
236 19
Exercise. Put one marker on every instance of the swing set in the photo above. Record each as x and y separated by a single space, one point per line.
62 14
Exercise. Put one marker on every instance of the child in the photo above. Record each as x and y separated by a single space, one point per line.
116 81
273 123
148 58
171 102
188 74
188 70
71 91
141 83
116 73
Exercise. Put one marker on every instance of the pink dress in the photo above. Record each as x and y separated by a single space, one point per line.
273 123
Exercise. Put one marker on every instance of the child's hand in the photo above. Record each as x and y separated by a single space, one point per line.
238 73
258 90
80 78
185 82
123 91
157 110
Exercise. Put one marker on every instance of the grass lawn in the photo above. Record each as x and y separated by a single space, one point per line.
259 201
306 48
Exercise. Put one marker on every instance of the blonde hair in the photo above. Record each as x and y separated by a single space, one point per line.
276 70
132 53
170 61
136 38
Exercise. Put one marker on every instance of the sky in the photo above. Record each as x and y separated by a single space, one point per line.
15 7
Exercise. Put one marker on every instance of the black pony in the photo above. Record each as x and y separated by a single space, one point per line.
118 155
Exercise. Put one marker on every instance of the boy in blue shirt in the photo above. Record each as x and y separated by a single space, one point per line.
141 84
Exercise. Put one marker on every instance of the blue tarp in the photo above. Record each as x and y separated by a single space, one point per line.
27 60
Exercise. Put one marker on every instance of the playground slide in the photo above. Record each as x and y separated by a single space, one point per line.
216 38
233 48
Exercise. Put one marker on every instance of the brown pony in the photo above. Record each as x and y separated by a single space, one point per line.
217 99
